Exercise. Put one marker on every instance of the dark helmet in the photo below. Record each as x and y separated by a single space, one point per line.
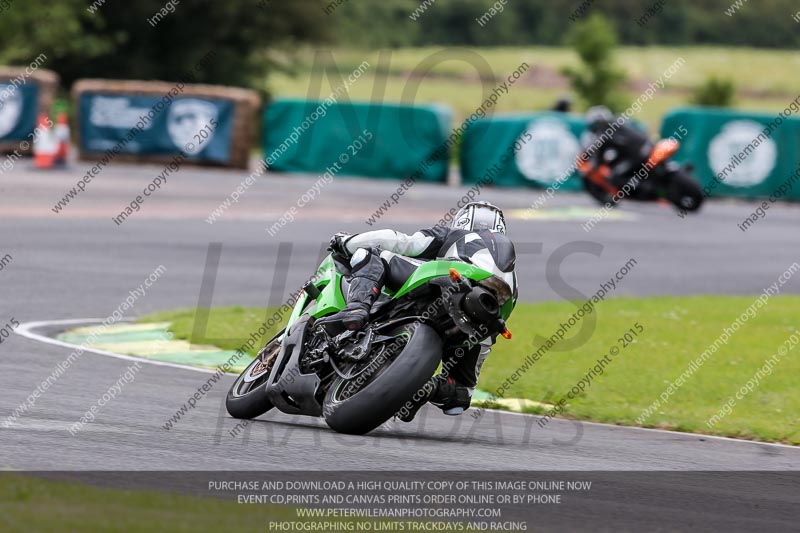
598 117
563 104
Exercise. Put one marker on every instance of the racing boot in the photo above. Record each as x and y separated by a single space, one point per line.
443 392
368 274
452 398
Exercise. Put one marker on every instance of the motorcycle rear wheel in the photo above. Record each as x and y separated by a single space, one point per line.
601 196
359 405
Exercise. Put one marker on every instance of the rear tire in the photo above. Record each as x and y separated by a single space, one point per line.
684 192
247 398
388 388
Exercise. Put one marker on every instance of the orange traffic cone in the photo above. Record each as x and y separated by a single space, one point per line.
45 144
62 137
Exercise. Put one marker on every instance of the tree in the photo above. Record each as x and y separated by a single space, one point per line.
385 23
56 29
598 80
715 92
125 40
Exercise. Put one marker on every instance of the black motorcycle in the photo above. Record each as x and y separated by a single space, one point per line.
666 180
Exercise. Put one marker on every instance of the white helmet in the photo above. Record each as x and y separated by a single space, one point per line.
480 216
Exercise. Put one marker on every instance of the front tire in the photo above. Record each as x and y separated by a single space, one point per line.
684 192
247 398
358 408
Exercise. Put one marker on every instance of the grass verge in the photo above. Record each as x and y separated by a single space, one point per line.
33 504
676 330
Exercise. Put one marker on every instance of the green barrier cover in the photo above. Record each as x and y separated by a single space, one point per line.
737 153
18 104
530 150
319 136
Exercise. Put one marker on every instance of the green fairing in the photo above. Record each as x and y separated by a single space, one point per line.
505 311
436 269
331 299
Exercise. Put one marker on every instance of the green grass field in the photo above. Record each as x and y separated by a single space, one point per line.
30 504
676 331
772 78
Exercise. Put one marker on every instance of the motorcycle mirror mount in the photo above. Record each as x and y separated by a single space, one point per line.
312 290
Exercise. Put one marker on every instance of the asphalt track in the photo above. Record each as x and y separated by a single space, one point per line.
80 264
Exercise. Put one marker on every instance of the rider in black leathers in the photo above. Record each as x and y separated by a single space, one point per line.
622 147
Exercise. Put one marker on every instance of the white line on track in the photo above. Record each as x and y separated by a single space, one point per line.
656 430
39 424
26 330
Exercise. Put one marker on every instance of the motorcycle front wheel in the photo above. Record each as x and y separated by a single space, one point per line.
684 192
247 398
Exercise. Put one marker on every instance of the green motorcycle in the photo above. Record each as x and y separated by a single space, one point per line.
357 380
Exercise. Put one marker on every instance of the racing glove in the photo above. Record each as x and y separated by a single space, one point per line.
338 244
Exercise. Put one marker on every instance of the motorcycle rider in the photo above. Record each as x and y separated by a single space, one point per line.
476 236
623 148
